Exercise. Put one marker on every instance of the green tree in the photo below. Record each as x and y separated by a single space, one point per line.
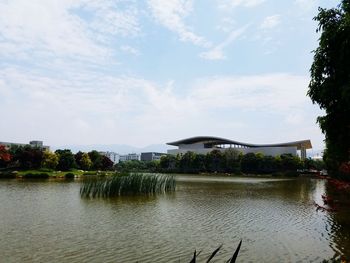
188 163
330 82
77 158
269 165
200 162
153 166
66 160
96 159
313 164
215 161
170 163
106 163
254 163
232 160
27 157
290 162
50 160
85 162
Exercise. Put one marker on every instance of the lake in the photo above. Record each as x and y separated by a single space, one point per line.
48 221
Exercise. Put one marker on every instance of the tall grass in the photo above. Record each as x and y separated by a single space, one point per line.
127 184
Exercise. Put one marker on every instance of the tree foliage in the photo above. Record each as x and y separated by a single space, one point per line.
26 157
96 159
66 160
50 160
5 156
106 163
85 162
232 161
330 82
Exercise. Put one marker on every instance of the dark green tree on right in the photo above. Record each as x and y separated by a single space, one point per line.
330 84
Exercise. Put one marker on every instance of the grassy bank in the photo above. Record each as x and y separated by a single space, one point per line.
46 173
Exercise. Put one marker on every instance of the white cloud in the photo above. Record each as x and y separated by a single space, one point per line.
226 24
273 92
89 108
109 18
130 50
306 5
213 54
171 14
225 4
57 28
110 108
217 52
271 22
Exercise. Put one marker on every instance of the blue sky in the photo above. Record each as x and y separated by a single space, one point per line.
148 72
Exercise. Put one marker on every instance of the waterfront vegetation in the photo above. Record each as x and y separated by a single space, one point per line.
230 161
27 162
32 158
127 184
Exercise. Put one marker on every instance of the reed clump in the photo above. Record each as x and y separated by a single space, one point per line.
127 184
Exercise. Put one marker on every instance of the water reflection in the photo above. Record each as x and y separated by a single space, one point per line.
48 221
339 224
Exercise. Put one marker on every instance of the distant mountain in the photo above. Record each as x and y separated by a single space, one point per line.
118 148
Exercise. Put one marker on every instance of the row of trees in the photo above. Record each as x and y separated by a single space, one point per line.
35 158
230 161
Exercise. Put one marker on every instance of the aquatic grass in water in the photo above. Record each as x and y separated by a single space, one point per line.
231 260
127 184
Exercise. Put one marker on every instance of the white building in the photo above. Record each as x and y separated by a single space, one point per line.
130 157
114 157
206 144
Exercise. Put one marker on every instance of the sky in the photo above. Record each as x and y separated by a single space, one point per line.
142 72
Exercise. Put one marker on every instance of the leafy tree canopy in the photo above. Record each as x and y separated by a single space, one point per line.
66 160
50 160
85 161
330 82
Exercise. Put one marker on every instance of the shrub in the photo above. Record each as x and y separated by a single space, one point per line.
90 173
69 175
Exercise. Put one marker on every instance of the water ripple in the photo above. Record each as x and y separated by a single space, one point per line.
49 222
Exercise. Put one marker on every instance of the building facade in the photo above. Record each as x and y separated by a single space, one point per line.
34 144
206 144
151 156
130 157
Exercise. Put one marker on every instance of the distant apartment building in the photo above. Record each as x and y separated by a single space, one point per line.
129 157
34 144
114 157
151 156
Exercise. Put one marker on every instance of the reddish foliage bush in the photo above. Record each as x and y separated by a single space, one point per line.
4 155
345 168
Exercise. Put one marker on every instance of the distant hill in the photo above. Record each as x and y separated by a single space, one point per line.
118 148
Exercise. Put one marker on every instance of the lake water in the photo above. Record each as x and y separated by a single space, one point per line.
47 221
